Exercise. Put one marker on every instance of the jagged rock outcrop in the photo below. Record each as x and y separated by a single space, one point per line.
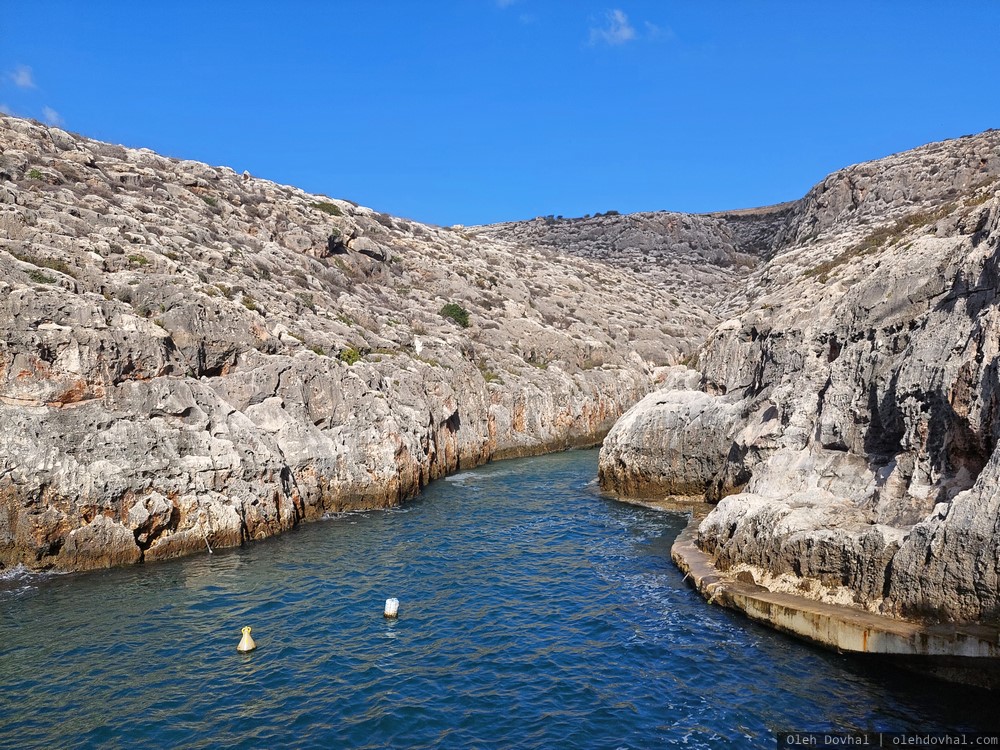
853 407
192 356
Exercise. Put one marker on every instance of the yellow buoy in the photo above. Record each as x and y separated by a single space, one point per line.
247 643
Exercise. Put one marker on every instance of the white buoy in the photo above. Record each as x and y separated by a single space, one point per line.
247 643
391 608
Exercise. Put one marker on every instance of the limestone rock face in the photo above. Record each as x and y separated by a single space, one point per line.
190 356
861 396
696 260
673 442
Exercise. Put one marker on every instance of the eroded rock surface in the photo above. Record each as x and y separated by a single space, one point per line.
193 356
694 260
853 408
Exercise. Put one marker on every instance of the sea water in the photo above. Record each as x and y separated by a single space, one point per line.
534 613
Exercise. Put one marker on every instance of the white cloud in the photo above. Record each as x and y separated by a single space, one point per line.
22 77
658 32
51 117
615 30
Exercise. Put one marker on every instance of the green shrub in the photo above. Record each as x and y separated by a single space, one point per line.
349 355
328 208
457 313
317 349
34 174
139 260
40 277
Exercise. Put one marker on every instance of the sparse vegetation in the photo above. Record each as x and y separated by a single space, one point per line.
882 237
350 355
428 361
52 263
306 298
40 277
34 174
978 200
488 375
691 360
328 208
456 312
139 260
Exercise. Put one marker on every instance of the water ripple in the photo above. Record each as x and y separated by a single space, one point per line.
534 613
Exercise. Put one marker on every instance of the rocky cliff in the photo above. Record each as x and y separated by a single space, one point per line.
190 356
694 260
847 419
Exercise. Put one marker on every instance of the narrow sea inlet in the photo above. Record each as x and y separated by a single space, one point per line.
534 613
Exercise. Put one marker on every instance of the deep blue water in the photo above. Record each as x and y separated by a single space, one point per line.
534 614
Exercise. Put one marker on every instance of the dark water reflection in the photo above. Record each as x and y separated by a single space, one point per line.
534 613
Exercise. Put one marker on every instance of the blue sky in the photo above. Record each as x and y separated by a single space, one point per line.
474 111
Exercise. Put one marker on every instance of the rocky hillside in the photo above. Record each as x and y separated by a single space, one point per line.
190 356
848 418
696 259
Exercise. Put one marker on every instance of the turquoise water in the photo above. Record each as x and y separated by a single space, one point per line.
533 614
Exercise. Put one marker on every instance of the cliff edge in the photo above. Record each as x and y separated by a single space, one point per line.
846 421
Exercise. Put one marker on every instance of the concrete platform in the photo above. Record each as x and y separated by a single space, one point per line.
968 654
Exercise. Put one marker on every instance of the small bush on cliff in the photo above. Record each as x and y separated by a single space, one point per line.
349 355
457 313
40 277
328 208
